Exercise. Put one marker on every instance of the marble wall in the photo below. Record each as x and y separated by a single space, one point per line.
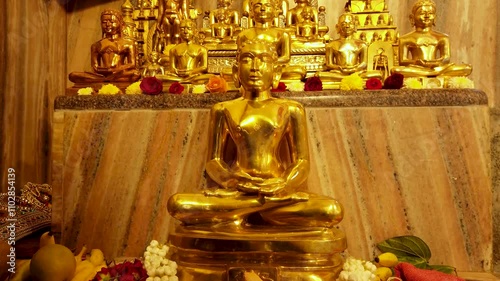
398 170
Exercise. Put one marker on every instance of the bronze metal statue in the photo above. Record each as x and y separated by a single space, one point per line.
113 58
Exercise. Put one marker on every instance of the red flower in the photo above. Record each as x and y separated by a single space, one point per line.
373 84
313 84
151 85
395 81
176 88
281 88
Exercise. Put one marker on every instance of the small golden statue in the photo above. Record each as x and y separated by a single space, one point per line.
305 19
425 52
153 68
263 12
346 55
258 157
224 23
281 6
188 60
113 58
295 17
307 29
168 25
170 15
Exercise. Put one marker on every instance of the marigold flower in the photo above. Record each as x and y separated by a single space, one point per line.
109 89
352 82
134 89
85 91
413 83
460 82
295 86
199 89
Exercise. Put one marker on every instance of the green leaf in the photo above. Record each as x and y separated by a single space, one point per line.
403 246
443 268
416 261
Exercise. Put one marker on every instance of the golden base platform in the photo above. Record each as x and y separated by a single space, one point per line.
228 253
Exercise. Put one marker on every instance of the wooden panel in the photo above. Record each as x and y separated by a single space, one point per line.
34 48
397 171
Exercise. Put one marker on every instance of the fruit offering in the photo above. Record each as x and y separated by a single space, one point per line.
159 268
86 270
385 263
53 262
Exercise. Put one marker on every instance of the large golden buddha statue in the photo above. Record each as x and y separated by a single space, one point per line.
346 55
188 60
113 58
255 218
263 12
257 178
425 52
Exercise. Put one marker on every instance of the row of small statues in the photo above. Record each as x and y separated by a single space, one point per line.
423 52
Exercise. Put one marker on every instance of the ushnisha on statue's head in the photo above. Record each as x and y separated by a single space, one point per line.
257 68
423 13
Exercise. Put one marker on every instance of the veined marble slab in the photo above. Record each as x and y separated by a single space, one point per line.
422 170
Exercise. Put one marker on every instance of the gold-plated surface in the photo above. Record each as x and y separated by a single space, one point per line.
425 52
113 58
153 68
188 60
254 214
258 156
263 12
224 24
346 55
302 21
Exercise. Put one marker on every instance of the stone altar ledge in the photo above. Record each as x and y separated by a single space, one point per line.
335 98
401 162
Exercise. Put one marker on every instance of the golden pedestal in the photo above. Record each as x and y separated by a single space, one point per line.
271 253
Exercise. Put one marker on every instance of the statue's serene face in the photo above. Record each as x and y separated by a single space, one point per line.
263 10
110 24
346 25
187 31
424 16
256 68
